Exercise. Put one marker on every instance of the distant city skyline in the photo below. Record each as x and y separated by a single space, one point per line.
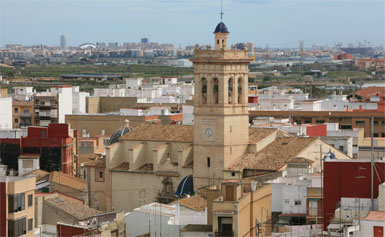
277 23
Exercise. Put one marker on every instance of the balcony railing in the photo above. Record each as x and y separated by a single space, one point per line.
230 233
25 115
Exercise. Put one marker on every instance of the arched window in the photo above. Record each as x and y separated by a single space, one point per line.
204 91
230 91
239 90
216 91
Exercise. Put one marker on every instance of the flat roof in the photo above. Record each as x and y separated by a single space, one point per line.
5 179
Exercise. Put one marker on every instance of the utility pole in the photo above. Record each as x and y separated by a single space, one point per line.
372 163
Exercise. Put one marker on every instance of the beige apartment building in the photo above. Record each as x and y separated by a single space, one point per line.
22 113
17 209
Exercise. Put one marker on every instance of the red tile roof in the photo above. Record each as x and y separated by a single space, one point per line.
371 91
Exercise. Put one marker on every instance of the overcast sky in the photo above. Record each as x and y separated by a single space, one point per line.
278 23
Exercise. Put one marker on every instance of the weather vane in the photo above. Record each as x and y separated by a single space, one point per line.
221 10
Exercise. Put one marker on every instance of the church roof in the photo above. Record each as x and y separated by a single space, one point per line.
161 132
274 155
181 133
258 134
221 28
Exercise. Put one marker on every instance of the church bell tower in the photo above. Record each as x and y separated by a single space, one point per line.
221 121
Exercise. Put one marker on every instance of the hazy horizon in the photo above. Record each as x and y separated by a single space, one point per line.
278 23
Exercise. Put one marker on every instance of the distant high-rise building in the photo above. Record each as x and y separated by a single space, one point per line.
301 48
144 40
63 42
113 45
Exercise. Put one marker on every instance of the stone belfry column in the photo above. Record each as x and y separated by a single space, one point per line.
221 127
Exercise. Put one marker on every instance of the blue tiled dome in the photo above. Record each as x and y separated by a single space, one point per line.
120 132
221 28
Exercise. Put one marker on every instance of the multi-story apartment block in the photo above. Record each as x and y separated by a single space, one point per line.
46 110
17 209
22 113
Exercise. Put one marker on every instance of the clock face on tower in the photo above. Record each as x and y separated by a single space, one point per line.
209 132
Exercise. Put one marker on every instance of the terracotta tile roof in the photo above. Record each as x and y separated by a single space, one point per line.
371 91
72 208
195 203
67 180
274 155
146 167
181 133
160 132
87 157
299 160
375 216
40 175
258 134
122 166
95 163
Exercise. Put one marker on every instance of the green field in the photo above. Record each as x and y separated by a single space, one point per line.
55 71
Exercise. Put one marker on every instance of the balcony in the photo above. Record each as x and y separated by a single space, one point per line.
218 234
25 115
25 124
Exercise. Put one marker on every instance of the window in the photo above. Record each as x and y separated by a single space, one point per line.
375 123
26 111
230 91
346 126
225 226
43 134
383 134
383 123
16 120
30 224
208 162
287 201
216 90
16 203
375 134
16 110
360 123
320 121
341 148
232 173
99 175
30 200
17 227
313 208
204 91
297 202
239 90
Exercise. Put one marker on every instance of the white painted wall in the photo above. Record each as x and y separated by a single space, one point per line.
344 144
291 193
276 200
188 114
64 103
5 113
79 101
13 133
381 197
367 227
134 83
